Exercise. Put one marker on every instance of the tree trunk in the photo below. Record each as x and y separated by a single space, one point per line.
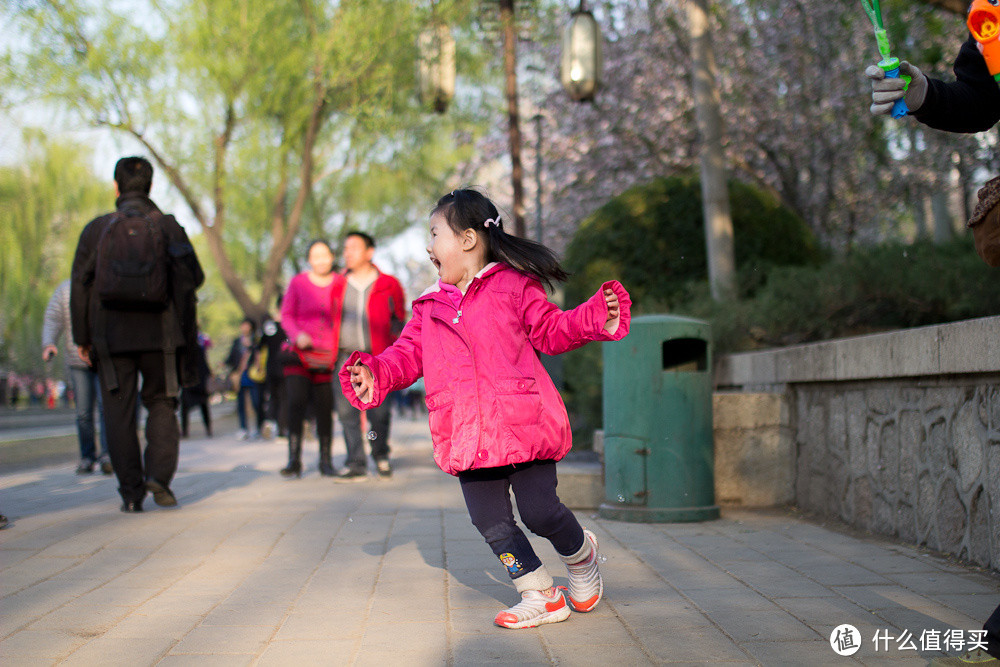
510 70
920 214
715 198
943 228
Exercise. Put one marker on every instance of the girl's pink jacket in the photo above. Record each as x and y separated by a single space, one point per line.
490 401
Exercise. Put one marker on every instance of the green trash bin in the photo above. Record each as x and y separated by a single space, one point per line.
658 446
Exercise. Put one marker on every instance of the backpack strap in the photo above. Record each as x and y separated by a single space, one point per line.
105 368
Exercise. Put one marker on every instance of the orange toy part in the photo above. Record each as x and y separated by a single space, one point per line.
984 24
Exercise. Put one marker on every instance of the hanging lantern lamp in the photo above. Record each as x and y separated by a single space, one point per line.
436 68
582 59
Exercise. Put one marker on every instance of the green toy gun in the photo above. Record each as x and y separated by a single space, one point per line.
888 64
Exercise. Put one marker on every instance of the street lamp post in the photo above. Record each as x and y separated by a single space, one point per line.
582 56
538 118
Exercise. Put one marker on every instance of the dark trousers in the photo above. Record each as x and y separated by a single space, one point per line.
377 435
992 628
275 406
195 399
301 391
159 461
378 429
487 495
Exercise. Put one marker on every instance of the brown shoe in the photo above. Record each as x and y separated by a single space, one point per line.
162 495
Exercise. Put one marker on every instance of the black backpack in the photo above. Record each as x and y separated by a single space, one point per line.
133 270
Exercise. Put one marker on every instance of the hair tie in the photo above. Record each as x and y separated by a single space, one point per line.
495 221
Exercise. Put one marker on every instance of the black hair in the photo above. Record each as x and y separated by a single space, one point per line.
470 209
134 174
322 241
252 322
369 241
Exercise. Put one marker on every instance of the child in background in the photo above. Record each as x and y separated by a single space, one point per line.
496 419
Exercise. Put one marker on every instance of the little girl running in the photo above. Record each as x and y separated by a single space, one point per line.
496 419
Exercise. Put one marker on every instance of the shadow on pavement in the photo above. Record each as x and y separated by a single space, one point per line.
56 489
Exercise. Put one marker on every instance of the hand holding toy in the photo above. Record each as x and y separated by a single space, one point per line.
888 64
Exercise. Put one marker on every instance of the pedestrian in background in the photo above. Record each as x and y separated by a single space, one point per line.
83 379
124 339
272 339
197 395
310 316
373 312
241 356
496 418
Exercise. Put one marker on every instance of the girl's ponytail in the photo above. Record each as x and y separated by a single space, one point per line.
469 209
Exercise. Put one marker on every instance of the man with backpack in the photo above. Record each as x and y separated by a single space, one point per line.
133 311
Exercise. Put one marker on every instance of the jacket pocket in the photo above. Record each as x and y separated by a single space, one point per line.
519 402
440 411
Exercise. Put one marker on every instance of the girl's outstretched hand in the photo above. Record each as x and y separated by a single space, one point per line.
611 299
363 382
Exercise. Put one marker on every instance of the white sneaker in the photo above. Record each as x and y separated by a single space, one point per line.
585 584
242 434
535 608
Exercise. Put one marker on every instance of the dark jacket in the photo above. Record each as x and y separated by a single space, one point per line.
132 330
971 103
272 339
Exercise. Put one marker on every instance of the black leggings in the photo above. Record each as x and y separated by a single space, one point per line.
300 391
487 495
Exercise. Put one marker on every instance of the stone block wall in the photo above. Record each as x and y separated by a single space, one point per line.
754 450
921 463
895 433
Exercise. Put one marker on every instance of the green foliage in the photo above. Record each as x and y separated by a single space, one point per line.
44 203
652 238
276 122
886 287
882 288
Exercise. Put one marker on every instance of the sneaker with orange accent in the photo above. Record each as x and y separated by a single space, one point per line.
535 608
585 584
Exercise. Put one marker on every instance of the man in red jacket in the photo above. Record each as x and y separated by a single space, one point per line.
372 317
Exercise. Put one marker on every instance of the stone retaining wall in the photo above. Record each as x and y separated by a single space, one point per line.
895 433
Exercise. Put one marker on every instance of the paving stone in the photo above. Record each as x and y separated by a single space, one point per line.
944 584
703 645
266 615
930 617
761 624
795 653
144 651
881 597
49 644
599 655
974 605
207 660
527 649
320 626
206 639
824 614
137 625
256 570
